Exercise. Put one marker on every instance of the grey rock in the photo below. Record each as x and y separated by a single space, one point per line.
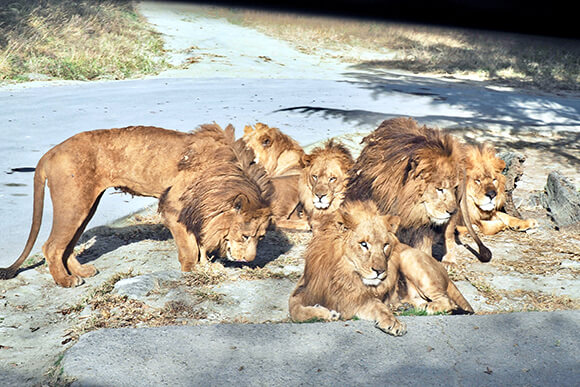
562 200
140 286
513 171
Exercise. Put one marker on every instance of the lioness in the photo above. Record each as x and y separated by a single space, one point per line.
416 173
281 156
348 271
323 179
486 193
141 160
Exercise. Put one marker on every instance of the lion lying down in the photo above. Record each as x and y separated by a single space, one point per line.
353 265
227 211
486 193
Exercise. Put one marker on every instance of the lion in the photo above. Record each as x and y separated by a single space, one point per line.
323 180
141 160
281 156
347 271
486 192
416 173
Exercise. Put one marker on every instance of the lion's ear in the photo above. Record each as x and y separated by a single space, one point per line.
230 132
248 129
306 159
392 222
240 202
499 165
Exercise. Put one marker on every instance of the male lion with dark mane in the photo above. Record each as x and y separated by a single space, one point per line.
416 173
486 192
347 269
323 179
140 160
281 156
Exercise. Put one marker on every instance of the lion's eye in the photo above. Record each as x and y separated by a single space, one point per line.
261 237
477 181
266 143
245 237
314 177
494 181
440 191
332 179
364 245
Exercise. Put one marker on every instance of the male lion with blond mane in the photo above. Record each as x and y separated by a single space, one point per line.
486 193
140 160
416 173
281 156
323 180
347 269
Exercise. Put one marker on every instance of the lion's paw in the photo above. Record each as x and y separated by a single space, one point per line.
334 315
393 327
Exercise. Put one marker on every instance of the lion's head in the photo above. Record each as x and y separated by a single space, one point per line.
226 206
277 152
323 179
367 240
485 185
358 240
411 171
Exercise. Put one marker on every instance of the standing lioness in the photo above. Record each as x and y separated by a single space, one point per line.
140 160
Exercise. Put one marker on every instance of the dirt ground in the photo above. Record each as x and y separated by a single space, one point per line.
139 283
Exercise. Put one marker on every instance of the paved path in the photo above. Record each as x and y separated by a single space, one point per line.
532 349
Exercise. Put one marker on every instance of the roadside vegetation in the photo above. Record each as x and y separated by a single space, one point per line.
80 40
525 61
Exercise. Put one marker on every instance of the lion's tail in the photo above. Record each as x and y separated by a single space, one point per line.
484 252
458 298
39 182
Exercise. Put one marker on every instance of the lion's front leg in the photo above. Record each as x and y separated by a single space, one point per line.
377 311
187 245
515 223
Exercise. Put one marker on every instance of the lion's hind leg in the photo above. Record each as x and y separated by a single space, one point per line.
301 311
70 217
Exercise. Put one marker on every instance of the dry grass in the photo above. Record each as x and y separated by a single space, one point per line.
67 39
517 60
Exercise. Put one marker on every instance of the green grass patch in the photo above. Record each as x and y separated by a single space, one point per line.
76 40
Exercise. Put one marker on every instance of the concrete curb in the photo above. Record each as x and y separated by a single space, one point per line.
534 348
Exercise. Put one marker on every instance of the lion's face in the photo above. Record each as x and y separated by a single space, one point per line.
485 181
439 200
245 231
369 240
325 179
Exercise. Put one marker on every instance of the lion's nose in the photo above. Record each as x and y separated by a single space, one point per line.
378 271
320 196
491 193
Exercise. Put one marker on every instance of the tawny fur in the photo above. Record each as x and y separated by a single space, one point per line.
424 283
347 269
486 194
140 160
413 172
281 156
323 180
